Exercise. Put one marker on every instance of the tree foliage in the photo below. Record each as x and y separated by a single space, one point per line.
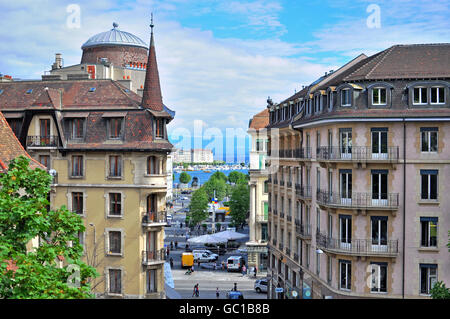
184 178
240 203
24 215
198 207
219 175
440 291
218 185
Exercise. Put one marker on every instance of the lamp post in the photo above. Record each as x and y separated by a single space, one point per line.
301 273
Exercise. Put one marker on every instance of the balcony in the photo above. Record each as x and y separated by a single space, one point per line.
289 218
304 192
280 246
274 211
303 230
42 141
281 215
358 247
296 257
293 154
288 251
359 154
363 201
275 181
261 218
153 257
154 219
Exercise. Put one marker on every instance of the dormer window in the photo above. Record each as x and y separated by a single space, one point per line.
346 97
420 95
437 95
159 128
379 96
77 129
115 128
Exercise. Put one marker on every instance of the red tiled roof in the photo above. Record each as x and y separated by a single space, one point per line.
260 120
10 147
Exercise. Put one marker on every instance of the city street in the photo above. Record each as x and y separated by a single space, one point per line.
207 279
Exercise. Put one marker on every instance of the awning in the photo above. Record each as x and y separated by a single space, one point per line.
114 114
76 115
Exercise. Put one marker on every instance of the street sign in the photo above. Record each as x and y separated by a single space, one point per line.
278 290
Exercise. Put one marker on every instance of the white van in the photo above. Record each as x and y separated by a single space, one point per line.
235 263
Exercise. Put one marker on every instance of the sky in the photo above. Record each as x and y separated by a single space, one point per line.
219 61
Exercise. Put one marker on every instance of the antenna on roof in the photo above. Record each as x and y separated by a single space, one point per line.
151 23
115 25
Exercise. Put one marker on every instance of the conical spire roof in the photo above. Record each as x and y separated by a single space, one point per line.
152 97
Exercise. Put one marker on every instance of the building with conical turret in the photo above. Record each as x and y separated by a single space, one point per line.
107 148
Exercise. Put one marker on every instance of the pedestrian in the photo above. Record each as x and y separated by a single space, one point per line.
255 270
171 245
192 268
195 291
176 244
217 293
171 262
235 287
223 265
244 270
168 251
198 264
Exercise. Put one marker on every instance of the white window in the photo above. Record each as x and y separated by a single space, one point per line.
428 277
379 96
345 97
429 139
345 280
437 95
420 96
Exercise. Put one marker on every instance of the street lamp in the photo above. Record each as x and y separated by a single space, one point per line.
301 273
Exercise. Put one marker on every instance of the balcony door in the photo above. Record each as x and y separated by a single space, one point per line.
379 233
44 125
379 188
379 143
151 245
346 143
345 232
346 187
152 207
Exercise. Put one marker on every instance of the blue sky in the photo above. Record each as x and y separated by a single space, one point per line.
220 60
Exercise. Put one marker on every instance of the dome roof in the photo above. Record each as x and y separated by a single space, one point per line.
114 37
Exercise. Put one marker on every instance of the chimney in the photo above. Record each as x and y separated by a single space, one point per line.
58 62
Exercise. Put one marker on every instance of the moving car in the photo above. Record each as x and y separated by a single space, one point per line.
235 263
261 285
187 259
235 295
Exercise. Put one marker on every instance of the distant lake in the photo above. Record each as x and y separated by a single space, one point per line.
203 177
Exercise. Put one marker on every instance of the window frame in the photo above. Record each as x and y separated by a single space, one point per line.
118 167
77 159
428 221
379 88
348 271
437 95
428 132
346 90
421 88
429 173
119 126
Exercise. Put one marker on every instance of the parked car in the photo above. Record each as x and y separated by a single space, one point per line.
261 285
235 263
200 256
211 255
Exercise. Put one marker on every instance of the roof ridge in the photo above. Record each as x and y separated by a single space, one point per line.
364 62
381 60
119 86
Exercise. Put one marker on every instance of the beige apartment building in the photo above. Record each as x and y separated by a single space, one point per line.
107 149
358 205
259 188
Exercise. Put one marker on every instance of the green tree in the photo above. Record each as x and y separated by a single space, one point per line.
185 165
24 215
218 185
234 176
184 178
219 175
439 291
198 208
240 203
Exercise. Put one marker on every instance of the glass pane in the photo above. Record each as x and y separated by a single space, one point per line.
441 95
384 186
433 141
434 97
424 98
384 142
383 96
424 187
433 234
433 186
384 232
425 142
375 142
416 95
424 234
423 280
375 232
375 186
376 96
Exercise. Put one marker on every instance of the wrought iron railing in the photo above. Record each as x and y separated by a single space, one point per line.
304 230
303 191
42 141
357 153
154 217
358 200
358 246
153 256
